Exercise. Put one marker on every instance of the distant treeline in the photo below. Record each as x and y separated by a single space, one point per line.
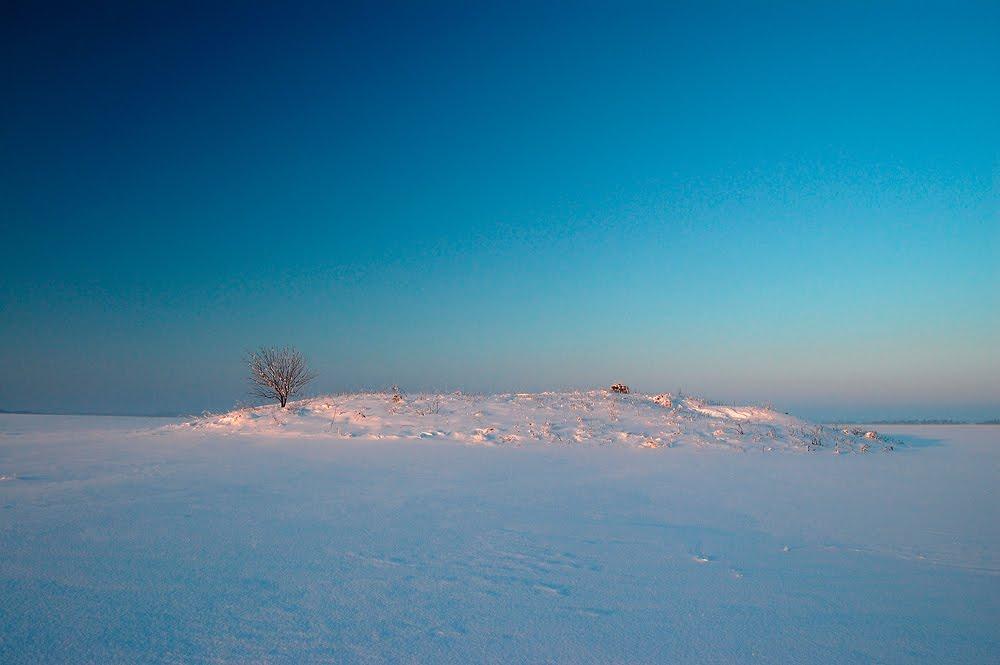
934 421
23 412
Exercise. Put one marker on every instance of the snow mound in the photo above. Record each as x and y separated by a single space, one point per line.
598 417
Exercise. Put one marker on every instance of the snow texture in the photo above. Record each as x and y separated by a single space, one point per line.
592 418
252 538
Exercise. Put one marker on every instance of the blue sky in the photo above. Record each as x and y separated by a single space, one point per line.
774 203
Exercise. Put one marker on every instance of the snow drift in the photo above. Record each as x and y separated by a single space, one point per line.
598 417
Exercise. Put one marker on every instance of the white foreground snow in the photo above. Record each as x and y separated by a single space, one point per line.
122 540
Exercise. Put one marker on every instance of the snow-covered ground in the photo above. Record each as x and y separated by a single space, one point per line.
319 535
598 417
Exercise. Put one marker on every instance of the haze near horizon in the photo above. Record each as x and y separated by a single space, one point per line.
791 205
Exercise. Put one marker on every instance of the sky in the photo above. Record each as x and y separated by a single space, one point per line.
757 202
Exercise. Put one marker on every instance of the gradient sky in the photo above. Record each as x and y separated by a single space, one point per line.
792 204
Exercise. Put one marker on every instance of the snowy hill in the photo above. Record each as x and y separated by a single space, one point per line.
599 417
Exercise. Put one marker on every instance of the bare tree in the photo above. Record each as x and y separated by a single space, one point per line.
278 373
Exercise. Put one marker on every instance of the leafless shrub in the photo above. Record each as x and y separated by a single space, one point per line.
620 388
431 406
816 437
812 437
278 373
